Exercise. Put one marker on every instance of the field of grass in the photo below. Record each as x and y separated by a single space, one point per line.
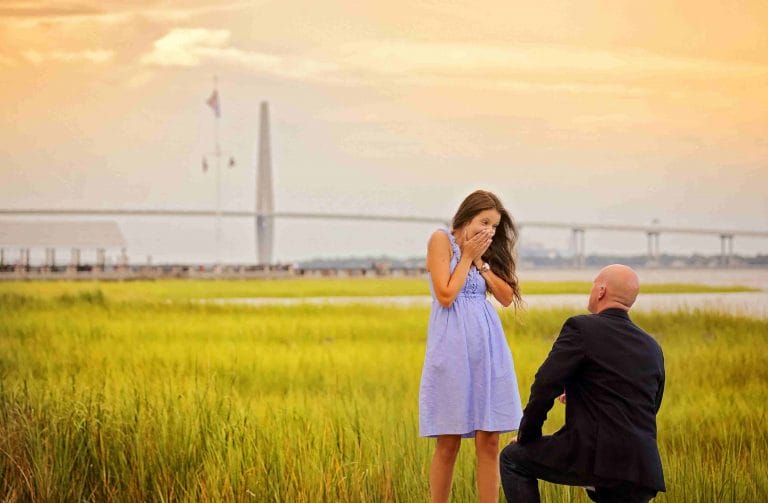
108 395
319 287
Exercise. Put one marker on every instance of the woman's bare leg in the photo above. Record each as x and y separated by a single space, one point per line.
487 446
441 470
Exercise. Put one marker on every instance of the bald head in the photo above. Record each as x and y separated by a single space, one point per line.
615 286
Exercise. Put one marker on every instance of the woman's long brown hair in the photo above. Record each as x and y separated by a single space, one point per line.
501 254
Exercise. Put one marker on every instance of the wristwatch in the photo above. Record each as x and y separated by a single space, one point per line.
485 267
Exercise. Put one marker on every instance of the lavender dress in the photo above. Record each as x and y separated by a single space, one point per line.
468 382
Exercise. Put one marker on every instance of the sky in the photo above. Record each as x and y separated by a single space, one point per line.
571 111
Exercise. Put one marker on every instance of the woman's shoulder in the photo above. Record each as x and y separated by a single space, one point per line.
440 242
440 236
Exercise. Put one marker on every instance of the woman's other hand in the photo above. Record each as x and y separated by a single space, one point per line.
475 246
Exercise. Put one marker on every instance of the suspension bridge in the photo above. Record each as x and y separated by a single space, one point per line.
264 217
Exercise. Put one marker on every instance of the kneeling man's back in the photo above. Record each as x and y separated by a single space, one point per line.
612 373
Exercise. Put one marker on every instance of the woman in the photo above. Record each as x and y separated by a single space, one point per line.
468 383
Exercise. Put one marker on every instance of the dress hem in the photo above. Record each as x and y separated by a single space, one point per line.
467 434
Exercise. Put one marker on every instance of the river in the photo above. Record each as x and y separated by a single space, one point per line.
753 304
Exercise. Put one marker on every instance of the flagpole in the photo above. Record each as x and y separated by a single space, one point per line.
213 102
217 154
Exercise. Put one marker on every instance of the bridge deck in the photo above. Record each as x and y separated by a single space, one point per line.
651 229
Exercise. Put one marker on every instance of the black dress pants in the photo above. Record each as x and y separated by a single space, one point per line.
519 479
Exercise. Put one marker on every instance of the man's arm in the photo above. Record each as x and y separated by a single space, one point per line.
563 360
660 391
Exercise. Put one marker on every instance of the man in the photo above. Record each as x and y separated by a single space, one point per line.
612 374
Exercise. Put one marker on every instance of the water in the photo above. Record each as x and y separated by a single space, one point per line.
753 278
753 304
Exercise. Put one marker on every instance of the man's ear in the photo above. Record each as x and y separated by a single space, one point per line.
601 294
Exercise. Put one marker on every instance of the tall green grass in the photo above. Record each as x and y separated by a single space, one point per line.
104 398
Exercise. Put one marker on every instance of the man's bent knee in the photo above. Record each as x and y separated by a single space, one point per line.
511 455
517 480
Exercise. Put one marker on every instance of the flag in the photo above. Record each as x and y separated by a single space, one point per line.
213 102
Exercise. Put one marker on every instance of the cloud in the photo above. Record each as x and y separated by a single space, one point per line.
25 14
33 15
97 56
365 64
43 9
514 67
185 47
188 47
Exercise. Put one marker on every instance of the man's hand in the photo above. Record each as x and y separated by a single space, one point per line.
561 398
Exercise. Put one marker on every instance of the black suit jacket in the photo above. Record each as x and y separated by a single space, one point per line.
613 376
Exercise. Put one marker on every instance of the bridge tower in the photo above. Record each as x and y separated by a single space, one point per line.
265 199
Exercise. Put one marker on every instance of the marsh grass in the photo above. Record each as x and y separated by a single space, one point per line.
180 290
109 397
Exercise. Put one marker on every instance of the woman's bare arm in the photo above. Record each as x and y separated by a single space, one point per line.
499 288
446 285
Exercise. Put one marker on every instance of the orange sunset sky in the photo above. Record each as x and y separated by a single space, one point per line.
593 111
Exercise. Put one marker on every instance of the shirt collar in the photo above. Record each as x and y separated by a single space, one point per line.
615 311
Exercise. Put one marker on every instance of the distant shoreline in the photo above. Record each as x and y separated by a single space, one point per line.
702 275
